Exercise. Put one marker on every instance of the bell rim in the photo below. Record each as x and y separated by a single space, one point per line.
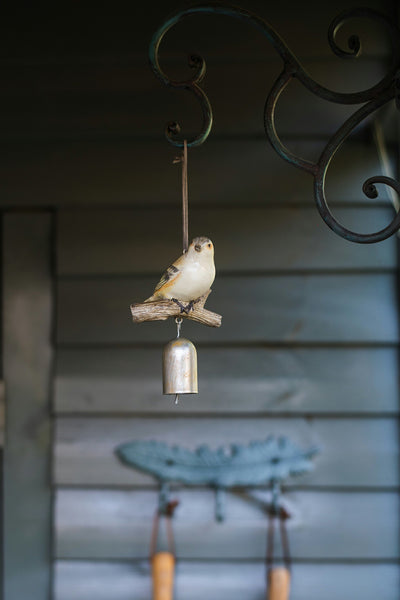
180 392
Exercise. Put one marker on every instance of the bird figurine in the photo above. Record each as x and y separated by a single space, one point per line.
189 277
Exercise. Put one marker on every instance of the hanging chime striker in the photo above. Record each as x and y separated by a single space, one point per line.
180 366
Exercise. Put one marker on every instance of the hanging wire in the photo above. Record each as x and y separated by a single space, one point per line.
166 510
185 205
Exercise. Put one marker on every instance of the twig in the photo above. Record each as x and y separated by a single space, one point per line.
160 310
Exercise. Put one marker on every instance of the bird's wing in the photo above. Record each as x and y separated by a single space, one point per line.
168 276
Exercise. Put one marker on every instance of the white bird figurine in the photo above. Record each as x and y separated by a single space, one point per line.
189 277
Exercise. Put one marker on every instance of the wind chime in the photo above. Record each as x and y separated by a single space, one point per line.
181 293
163 560
265 462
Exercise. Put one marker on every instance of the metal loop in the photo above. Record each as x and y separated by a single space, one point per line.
178 321
166 509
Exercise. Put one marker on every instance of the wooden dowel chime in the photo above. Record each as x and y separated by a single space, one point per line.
278 583
163 569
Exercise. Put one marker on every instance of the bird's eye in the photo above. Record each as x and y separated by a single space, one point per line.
209 245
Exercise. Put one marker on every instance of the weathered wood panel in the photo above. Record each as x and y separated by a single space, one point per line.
101 524
367 454
143 241
140 173
291 309
122 581
232 380
27 327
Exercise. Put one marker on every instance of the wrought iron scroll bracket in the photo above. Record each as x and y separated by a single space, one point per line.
267 462
371 99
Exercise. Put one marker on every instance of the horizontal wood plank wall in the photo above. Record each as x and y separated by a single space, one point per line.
110 242
309 341
119 172
365 457
328 526
217 579
234 381
83 101
256 309
313 355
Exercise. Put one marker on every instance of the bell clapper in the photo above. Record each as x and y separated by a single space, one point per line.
178 322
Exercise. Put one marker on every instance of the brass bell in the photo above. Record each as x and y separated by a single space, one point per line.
180 366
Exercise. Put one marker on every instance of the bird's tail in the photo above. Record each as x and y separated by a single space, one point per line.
151 299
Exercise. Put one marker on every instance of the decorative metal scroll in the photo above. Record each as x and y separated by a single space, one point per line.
259 463
372 99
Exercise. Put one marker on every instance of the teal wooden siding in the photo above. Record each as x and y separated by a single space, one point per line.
305 341
309 342
216 580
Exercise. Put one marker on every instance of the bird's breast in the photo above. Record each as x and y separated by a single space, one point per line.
194 280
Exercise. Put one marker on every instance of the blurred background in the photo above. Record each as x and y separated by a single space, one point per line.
308 347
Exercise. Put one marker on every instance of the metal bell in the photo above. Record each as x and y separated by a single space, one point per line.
180 367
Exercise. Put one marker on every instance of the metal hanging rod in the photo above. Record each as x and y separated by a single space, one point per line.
372 99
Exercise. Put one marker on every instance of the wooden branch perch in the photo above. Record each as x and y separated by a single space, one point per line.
160 310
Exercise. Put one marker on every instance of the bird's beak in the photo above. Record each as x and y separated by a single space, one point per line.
197 247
